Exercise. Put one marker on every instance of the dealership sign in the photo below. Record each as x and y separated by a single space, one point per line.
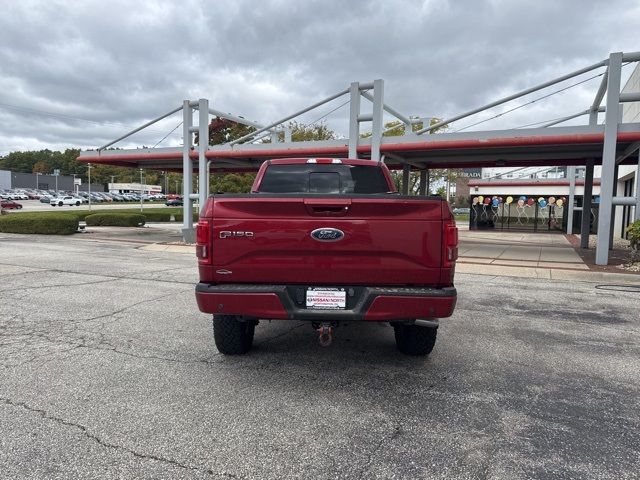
471 173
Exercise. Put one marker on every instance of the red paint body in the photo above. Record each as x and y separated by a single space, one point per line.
10 205
397 255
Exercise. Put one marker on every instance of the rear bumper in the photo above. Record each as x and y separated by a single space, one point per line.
364 303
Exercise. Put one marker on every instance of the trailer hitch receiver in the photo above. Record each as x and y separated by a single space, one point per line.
325 334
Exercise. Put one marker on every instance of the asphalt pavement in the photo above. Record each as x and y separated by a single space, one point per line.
108 370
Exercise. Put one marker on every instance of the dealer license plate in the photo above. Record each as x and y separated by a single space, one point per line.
326 298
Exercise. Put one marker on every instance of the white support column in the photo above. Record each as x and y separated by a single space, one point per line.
636 213
585 227
208 178
426 122
408 128
609 158
203 146
376 127
571 173
613 206
187 174
354 125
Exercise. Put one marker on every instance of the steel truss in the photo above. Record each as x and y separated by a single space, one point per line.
610 144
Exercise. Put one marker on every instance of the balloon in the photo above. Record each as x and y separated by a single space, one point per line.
531 201
509 200
500 199
495 202
559 202
520 203
480 199
487 201
540 199
523 198
596 200
475 200
543 203
552 200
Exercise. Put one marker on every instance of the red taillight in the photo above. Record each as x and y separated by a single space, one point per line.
450 243
202 241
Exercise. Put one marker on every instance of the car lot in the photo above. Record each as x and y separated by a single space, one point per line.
37 206
109 371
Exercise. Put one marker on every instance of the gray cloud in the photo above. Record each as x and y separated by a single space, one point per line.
119 63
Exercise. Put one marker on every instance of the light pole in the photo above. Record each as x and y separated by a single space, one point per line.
141 190
89 183
75 187
177 187
37 180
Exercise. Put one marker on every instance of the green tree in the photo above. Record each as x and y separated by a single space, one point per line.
304 133
438 177
224 131
40 167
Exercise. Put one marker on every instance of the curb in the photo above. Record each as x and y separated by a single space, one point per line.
546 273
162 247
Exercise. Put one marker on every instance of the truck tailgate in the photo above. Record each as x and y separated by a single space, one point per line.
388 240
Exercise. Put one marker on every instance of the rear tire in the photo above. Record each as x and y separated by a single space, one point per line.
232 336
60 204
77 204
415 340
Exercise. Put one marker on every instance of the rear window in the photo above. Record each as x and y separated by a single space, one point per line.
323 178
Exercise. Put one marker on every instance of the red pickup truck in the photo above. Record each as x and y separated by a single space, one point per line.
326 241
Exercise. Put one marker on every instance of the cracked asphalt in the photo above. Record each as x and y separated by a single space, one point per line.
108 370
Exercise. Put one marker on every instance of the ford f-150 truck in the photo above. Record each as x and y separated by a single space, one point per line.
326 241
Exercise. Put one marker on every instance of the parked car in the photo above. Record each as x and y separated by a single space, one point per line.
66 200
45 199
174 202
323 241
461 211
10 205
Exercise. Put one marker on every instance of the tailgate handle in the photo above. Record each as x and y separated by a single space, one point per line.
327 208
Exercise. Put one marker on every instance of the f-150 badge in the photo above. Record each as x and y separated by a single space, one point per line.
327 234
229 234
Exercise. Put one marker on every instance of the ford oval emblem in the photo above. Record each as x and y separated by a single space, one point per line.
327 234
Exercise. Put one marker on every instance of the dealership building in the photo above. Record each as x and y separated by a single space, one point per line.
40 181
134 188
543 183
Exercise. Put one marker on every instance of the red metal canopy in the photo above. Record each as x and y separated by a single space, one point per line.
510 148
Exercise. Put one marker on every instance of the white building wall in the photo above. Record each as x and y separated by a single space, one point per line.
133 188
5 179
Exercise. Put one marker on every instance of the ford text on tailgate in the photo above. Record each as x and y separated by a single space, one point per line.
326 241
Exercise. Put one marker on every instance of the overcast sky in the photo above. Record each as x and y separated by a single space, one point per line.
79 74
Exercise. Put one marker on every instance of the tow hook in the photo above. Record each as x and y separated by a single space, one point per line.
325 334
